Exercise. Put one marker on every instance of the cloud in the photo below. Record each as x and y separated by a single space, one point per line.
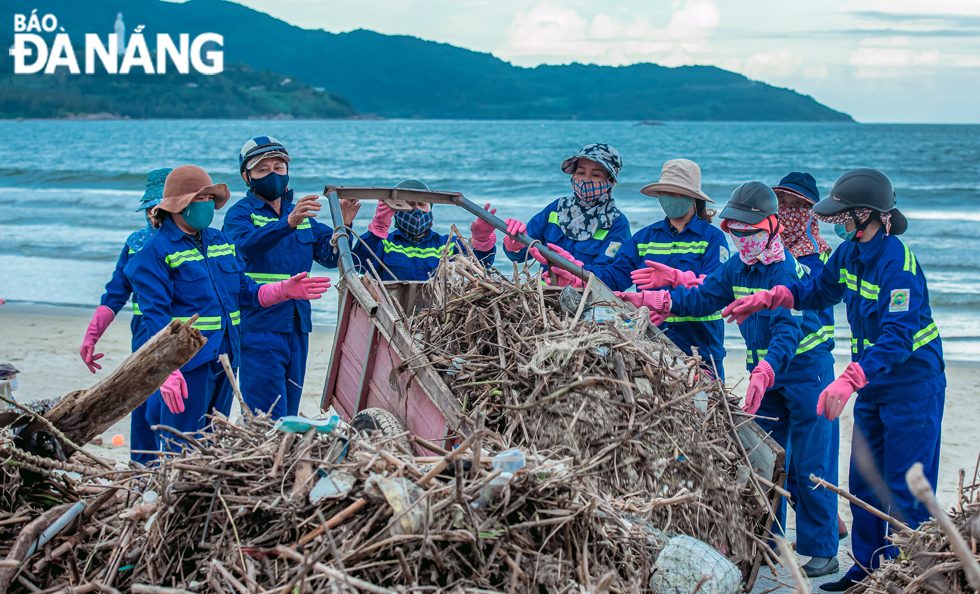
775 64
547 32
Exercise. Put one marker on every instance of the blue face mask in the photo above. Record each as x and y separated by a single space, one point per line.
271 186
843 233
199 214
413 223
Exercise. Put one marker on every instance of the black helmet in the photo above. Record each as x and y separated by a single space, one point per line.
863 188
751 203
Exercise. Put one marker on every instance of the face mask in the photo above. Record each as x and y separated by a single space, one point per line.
199 214
413 223
674 207
271 186
13 385
588 192
841 230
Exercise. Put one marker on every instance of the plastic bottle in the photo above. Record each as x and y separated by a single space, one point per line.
509 461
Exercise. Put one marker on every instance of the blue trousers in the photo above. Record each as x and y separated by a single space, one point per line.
141 437
208 390
887 440
812 444
273 370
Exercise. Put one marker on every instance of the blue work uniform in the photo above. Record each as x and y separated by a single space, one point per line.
601 248
898 415
275 340
407 260
175 280
699 248
798 349
117 291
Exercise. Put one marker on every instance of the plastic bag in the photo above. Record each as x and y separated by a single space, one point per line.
294 424
401 493
685 560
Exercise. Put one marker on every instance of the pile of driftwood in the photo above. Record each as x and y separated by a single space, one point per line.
940 556
251 508
652 429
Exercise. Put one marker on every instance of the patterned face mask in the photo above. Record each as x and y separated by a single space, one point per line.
844 217
801 233
413 223
752 248
588 192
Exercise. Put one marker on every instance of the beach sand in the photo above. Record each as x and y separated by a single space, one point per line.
42 342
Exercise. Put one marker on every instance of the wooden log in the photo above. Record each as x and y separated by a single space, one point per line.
83 414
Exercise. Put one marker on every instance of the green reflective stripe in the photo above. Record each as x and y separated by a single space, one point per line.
750 357
224 249
745 291
263 279
924 336
710 318
132 251
810 341
304 225
854 344
204 323
414 252
136 309
177 258
910 264
800 271
824 256
599 235
235 317
868 290
677 247
261 221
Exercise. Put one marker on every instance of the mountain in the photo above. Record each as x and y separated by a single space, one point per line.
403 76
237 93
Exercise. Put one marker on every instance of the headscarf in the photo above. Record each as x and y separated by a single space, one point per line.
801 233
137 239
579 220
754 248
844 217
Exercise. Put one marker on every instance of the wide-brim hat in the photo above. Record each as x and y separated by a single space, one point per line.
598 152
678 176
800 184
155 181
186 183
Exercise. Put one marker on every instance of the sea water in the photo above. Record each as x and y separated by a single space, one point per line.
69 189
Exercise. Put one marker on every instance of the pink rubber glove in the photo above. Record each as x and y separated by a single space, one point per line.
657 275
776 297
101 319
658 302
561 277
484 234
381 222
835 396
761 379
301 286
513 228
174 392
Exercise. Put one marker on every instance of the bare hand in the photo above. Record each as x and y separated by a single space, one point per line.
306 208
348 209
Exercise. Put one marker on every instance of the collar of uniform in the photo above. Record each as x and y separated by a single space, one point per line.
868 252
286 206
175 233
398 233
696 226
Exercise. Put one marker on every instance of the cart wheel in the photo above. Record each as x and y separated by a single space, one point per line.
378 419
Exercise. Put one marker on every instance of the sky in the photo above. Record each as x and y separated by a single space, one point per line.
908 61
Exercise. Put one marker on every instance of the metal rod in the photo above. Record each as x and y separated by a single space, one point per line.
343 241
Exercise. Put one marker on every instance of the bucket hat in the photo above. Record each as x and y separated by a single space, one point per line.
678 176
186 183
599 152
155 181
801 184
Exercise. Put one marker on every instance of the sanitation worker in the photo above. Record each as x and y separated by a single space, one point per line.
897 368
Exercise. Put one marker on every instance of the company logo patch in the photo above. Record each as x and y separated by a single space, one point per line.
899 300
613 248
723 254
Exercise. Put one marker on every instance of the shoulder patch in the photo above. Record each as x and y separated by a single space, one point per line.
723 254
899 300
613 248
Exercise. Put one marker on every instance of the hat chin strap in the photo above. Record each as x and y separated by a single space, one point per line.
858 226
